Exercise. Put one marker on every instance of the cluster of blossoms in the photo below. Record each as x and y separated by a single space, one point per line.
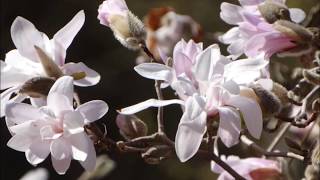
232 92
50 124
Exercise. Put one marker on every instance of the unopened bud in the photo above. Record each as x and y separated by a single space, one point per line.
37 87
131 126
294 31
49 66
272 12
129 30
269 102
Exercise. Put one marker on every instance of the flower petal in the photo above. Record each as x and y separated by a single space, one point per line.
73 122
21 112
149 103
190 130
61 165
155 71
79 146
60 149
25 36
63 86
37 152
230 36
91 77
11 76
206 63
229 126
93 110
251 113
90 163
230 13
65 35
5 96
59 104
19 142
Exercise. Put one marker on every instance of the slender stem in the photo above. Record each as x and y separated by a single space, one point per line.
157 86
278 137
244 139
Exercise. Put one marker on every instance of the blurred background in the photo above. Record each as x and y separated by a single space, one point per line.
120 86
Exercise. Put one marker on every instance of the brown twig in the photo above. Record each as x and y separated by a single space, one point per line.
244 139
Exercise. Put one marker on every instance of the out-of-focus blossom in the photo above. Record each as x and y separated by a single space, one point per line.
37 56
56 129
127 28
165 28
36 174
249 168
217 94
254 33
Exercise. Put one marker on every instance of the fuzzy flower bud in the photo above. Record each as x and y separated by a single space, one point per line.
272 11
37 87
127 28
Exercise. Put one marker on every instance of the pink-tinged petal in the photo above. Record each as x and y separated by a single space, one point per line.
63 86
183 87
59 104
230 13
19 142
29 128
11 76
206 63
251 113
182 64
155 71
60 149
297 15
91 76
232 87
79 146
59 52
190 130
265 83
93 110
90 163
37 152
25 65
250 2
73 122
5 96
65 35
236 48
47 133
230 36
149 103
25 36
111 7
21 112
229 126
61 165
230 160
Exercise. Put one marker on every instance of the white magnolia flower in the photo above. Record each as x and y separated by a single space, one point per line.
217 94
33 48
56 129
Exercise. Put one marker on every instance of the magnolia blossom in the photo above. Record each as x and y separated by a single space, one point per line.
36 55
56 129
249 168
217 94
253 34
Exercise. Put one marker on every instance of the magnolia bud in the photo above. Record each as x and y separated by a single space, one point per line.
269 102
49 66
129 30
294 31
131 127
37 87
272 12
